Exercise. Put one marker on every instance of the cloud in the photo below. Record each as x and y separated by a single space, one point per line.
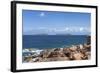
61 30
42 14
65 29
74 30
81 28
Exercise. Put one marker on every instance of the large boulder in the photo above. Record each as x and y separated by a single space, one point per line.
87 47
73 48
45 53
56 54
67 52
28 59
78 56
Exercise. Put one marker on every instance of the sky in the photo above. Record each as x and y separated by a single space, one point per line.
53 23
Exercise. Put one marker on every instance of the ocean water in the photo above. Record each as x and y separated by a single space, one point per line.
52 41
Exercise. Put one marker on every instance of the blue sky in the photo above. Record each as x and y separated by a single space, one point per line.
51 22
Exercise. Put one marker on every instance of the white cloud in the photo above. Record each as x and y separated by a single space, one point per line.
81 29
77 29
42 14
66 28
53 30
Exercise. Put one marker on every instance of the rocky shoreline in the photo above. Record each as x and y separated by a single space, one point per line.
74 52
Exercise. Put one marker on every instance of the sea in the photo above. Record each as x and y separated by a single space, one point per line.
52 41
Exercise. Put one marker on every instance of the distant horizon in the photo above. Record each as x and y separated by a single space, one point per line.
54 23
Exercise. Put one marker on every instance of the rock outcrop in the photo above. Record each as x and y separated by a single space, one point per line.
75 52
